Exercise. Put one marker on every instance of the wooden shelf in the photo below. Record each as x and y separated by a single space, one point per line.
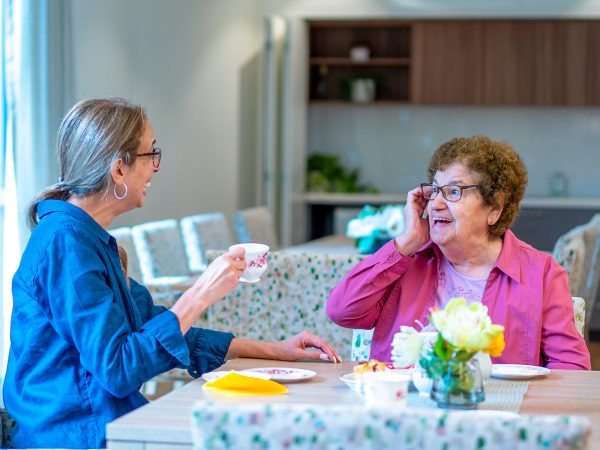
351 62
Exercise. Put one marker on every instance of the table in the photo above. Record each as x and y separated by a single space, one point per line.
165 423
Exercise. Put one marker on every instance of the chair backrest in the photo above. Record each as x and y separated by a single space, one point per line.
255 225
576 251
160 249
290 297
202 232
361 339
124 238
328 427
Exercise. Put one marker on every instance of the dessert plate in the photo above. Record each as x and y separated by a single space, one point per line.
210 376
518 371
348 379
282 374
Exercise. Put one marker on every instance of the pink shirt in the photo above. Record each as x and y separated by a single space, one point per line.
526 291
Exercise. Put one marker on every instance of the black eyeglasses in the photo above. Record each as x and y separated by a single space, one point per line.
156 155
451 192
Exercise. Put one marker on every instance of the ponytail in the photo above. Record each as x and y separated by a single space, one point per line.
59 191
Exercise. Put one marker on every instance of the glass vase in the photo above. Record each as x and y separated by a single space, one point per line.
460 386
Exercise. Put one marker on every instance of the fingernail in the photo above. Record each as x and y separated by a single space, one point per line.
324 356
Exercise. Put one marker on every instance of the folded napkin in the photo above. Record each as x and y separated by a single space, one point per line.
236 384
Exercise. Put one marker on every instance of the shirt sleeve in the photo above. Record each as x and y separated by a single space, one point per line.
562 345
357 300
95 318
207 348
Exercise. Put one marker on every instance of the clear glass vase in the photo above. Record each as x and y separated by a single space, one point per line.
460 386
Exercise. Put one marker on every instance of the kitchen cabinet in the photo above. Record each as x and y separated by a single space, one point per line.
387 63
459 62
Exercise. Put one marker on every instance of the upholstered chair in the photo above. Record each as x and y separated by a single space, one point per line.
255 225
333 427
202 232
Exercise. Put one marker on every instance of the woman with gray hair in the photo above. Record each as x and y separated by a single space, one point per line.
84 337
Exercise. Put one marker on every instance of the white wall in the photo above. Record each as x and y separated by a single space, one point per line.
392 145
194 66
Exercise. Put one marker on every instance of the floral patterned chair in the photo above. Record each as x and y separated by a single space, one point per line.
202 232
291 297
255 225
578 252
333 427
361 339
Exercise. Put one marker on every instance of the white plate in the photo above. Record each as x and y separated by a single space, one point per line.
348 379
518 371
283 374
209 376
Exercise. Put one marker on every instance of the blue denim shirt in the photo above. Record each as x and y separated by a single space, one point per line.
82 341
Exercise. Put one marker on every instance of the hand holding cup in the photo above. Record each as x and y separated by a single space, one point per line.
256 261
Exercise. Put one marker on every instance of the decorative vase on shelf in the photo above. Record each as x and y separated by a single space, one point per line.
460 386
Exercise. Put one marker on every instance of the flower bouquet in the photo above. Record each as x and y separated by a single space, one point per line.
375 226
463 331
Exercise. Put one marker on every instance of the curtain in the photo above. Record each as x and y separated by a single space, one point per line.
36 91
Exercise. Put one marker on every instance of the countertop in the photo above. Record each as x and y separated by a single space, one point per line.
317 198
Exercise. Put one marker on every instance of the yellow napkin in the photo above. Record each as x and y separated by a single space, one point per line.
236 384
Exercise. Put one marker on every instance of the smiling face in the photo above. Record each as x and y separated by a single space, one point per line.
140 173
461 225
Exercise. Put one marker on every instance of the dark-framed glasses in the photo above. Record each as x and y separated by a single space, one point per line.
156 155
451 192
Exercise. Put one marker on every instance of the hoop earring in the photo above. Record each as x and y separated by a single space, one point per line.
115 192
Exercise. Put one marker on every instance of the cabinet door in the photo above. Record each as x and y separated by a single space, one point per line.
447 62
507 62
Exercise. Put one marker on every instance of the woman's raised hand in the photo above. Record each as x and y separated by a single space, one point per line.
221 276
416 229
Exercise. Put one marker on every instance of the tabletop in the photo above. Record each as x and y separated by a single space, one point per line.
333 244
165 423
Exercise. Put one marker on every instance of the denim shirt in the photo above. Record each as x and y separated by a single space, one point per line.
82 340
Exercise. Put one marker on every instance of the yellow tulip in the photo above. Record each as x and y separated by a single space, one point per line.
497 345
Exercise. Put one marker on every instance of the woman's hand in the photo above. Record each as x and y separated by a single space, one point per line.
416 229
294 348
291 349
218 280
221 276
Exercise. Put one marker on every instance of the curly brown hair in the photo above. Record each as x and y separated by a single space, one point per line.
503 175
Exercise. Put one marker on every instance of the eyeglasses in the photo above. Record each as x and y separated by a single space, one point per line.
156 155
451 192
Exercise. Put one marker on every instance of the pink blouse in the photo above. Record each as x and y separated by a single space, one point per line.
526 291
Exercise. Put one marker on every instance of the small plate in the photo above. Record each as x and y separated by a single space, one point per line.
348 379
210 376
283 374
518 371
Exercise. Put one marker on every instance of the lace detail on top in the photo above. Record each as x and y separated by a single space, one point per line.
452 284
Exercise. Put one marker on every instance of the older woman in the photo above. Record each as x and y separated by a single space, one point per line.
457 243
84 337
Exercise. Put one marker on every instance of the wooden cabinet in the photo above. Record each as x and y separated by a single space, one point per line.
332 70
507 62
460 62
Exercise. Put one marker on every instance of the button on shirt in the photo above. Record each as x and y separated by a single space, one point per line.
526 291
82 340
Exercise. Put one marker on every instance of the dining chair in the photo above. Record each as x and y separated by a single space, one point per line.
202 232
255 225
159 246
290 297
577 251
125 240
328 427
361 339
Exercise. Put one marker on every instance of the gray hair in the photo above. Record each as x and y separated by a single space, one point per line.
92 135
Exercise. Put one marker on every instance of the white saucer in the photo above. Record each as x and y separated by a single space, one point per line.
283 374
518 371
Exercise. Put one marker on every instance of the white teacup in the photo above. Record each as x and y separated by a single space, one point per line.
385 389
256 261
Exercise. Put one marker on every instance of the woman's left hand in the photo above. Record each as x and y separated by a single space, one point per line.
294 348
